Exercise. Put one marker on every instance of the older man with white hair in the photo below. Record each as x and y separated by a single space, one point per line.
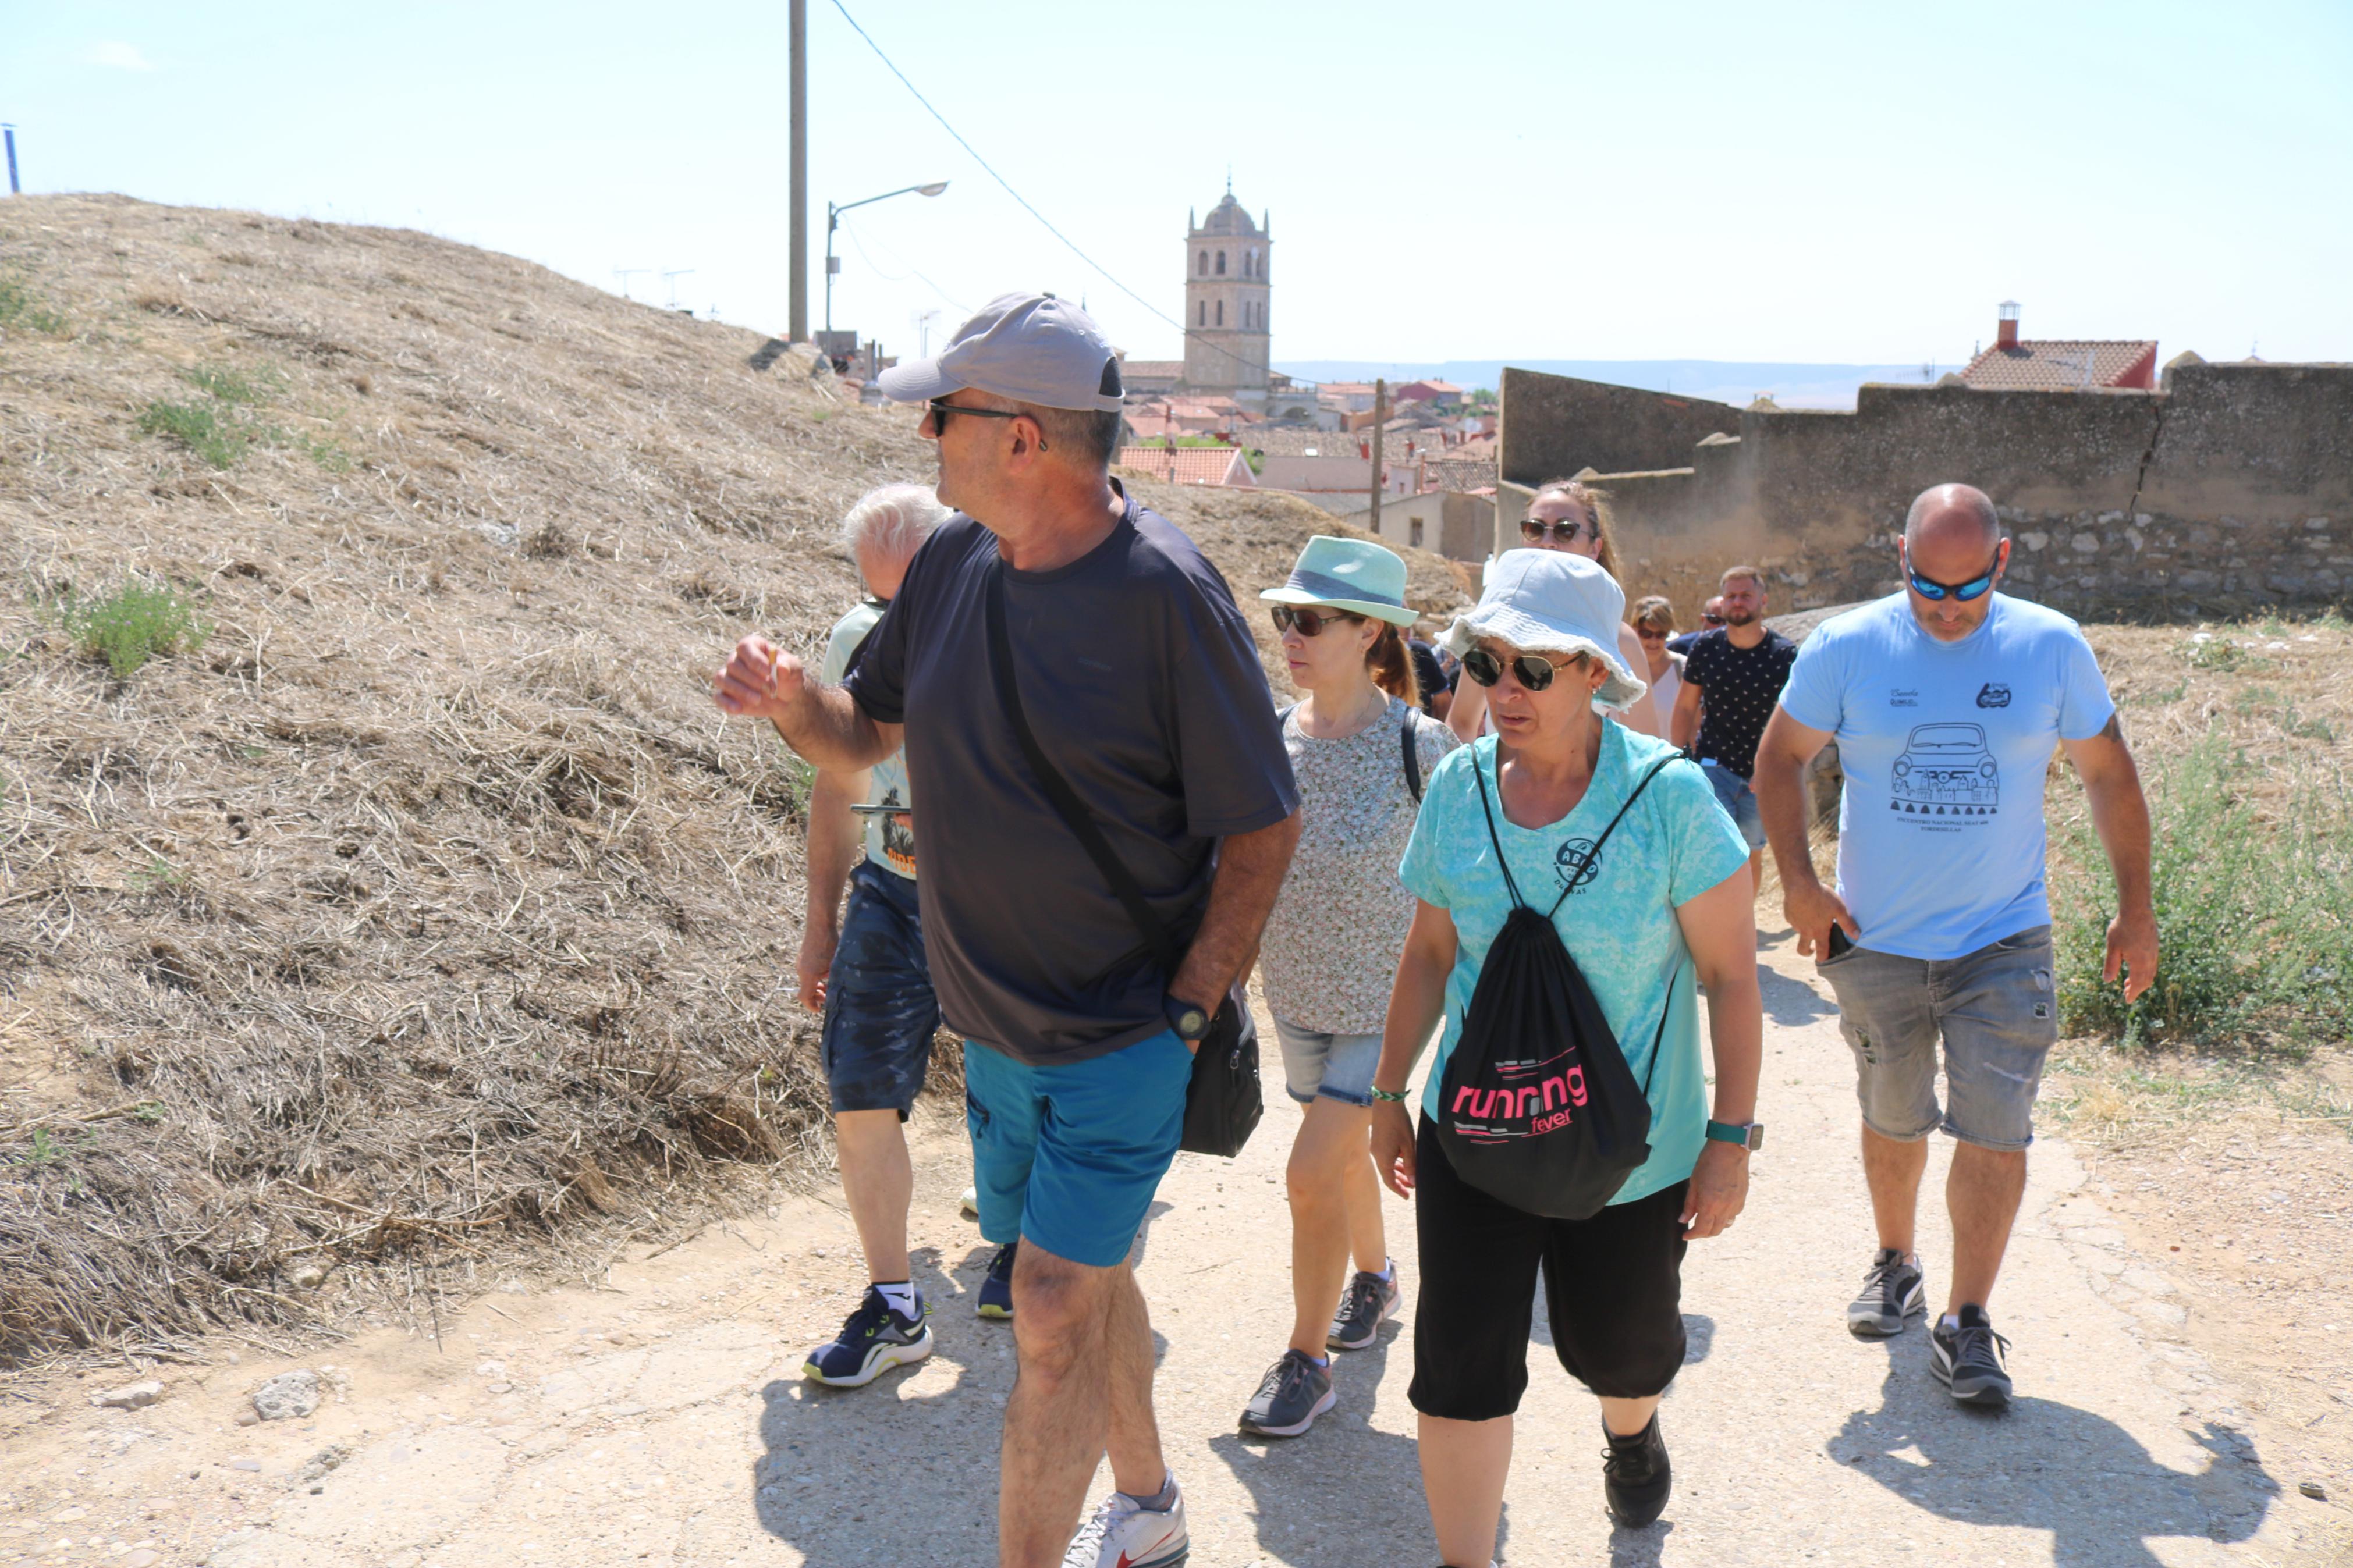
1948 699
866 971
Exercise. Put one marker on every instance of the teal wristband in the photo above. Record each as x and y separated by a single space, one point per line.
1747 1135
1385 1094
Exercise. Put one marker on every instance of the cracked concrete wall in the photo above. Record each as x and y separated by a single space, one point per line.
2230 487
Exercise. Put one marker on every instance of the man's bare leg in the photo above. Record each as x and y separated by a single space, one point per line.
1893 1172
1983 1192
879 1182
1085 1376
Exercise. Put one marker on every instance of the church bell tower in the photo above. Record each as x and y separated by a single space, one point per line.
1226 332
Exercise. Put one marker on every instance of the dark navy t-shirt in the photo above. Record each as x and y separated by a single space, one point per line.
1740 686
1142 683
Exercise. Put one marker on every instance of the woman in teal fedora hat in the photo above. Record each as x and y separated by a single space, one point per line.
1359 749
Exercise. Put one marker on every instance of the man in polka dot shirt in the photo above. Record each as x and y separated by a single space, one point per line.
1732 678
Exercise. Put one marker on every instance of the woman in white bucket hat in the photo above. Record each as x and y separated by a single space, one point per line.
1664 897
1569 516
1360 751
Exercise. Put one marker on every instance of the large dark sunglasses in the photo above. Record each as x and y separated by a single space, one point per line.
1710 618
1533 531
1311 623
1532 672
941 408
1974 588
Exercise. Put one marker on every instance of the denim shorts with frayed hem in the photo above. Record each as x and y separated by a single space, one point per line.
1994 1010
879 1013
1069 1156
1321 1066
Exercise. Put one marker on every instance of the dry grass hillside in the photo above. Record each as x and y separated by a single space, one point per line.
415 906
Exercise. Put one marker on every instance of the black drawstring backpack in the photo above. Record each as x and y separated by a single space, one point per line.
1539 1109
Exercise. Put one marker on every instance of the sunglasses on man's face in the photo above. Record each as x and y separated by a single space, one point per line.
1974 588
1536 530
941 408
1531 671
1711 619
1311 623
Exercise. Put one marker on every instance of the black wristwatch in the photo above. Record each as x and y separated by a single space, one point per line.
1189 1021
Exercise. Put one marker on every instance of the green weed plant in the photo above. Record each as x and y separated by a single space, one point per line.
19 307
199 427
2254 917
137 622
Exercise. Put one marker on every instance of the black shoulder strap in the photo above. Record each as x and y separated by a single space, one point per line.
1412 729
1660 1038
1073 810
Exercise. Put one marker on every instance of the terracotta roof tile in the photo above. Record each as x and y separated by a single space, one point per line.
2059 364
1189 465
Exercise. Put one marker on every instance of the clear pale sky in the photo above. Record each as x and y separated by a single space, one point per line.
1858 183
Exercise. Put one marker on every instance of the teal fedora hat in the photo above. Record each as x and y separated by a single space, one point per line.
1348 574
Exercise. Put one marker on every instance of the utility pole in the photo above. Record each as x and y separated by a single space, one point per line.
798 331
10 131
1380 417
625 274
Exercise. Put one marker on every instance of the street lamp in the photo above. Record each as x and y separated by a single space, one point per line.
832 221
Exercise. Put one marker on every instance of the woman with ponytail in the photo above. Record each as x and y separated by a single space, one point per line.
1359 749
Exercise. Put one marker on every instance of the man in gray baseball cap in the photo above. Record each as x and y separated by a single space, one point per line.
1140 683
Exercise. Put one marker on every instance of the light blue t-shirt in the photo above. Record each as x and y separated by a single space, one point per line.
1618 924
1946 747
889 833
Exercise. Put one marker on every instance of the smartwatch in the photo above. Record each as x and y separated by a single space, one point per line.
1189 1021
1749 1135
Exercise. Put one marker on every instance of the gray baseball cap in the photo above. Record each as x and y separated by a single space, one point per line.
1032 348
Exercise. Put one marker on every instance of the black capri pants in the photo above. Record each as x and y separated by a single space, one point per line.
1613 1291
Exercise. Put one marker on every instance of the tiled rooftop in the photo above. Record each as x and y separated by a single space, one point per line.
2059 364
1189 465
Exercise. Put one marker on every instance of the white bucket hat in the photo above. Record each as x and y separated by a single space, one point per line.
1548 601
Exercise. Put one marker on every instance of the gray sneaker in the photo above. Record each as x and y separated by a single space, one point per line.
1293 1393
1969 1360
1368 1302
1891 1293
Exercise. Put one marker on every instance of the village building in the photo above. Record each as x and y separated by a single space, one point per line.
1227 337
2060 365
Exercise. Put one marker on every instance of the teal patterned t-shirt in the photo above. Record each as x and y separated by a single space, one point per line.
1618 924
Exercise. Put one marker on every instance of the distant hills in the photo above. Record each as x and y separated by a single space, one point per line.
1736 381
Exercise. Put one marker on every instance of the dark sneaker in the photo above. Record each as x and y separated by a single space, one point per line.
1892 1292
1369 1302
873 1339
1636 1477
997 1290
1967 1359
1293 1393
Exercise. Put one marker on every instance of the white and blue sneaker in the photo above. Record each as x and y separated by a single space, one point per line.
1124 1533
873 1338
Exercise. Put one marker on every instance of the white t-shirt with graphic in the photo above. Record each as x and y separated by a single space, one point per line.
1946 748
888 815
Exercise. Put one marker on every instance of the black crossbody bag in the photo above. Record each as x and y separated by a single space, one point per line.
1222 1101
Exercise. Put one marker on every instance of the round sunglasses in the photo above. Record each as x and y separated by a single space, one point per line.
1535 531
1311 623
1532 671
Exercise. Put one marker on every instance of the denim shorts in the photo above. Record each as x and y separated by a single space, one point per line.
1997 1015
1069 1156
879 1013
1317 1065
1739 801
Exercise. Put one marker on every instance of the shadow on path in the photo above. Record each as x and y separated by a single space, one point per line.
1292 1481
2041 1465
817 1483
1793 1004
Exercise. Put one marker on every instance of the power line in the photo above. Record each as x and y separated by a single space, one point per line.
988 169
912 271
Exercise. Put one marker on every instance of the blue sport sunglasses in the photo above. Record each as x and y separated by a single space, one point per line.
1974 588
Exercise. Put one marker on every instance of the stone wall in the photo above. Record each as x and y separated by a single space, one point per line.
1452 523
2232 487
1554 425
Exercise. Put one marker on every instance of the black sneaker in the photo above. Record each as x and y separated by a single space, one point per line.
1892 1292
997 1290
1635 1475
873 1341
1293 1393
1967 1359
1369 1301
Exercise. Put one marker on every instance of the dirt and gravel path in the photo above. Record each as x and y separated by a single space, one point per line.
661 1419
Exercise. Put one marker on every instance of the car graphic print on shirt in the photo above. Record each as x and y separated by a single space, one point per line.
1945 771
